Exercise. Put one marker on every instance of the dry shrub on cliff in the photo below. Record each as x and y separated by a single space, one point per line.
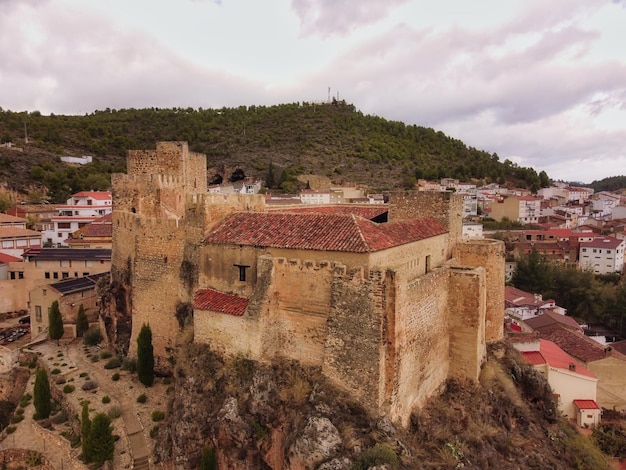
296 389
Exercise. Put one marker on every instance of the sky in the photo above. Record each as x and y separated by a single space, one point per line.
541 83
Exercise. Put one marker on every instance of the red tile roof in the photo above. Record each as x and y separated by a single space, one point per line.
4 259
575 344
548 318
347 233
366 212
602 242
517 297
586 405
549 353
209 299
11 219
100 195
14 232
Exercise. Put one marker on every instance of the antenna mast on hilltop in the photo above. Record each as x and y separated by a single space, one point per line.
25 134
328 95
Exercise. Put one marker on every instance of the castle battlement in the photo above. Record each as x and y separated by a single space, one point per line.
129 221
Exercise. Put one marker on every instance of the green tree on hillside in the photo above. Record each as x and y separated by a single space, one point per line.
208 461
145 356
55 322
533 273
42 398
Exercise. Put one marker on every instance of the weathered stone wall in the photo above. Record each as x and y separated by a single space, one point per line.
467 322
353 342
418 340
489 254
411 257
299 302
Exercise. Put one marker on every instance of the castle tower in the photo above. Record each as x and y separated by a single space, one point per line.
488 254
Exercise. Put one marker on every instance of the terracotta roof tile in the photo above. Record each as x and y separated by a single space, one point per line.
586 405
11 219
575 344
347 233
100 195
548 318
554 356
603 242
12 232
209 299
5 259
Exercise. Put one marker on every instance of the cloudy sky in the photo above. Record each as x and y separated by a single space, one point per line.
542 83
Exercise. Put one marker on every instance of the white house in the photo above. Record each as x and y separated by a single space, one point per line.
570 380
81 209
604 202
603 255
77 160
311 196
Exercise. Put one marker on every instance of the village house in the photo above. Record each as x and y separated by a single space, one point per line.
521 305
575 387
603 255
98 234
524 209
15 238
45 265
80 210
70 294
38 216
606 362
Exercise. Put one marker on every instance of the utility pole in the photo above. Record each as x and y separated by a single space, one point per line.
25 134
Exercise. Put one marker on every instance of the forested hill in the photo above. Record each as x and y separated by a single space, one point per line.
334 140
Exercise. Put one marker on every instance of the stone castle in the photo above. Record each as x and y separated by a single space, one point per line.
387 310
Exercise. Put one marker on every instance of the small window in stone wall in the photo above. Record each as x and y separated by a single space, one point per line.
242 271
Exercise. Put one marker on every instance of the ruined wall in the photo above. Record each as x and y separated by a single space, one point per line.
219 268
353 342
466 319
419 337
228 334
489 254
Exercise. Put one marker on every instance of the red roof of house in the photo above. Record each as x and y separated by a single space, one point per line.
548 318
11 219
549 353
347 233
576 344
602 242
4 259
518 297
209 299
13 232
100 195
586 405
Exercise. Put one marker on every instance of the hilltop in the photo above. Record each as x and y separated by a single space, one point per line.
334 140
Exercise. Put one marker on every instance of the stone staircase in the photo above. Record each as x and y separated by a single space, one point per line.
141 463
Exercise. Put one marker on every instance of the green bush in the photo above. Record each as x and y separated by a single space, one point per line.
92 337
142 398
106 354
113 363
106 399
167 381
10 429
380 454
130 365
115 377
68 388
84 374
19 411
17 418
114 412
158 416
55 371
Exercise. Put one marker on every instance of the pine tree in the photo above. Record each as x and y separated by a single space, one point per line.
270 179
85 432
101 440
145 356
55 321
82 322
42 397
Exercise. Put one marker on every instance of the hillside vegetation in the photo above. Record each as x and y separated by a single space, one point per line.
335 140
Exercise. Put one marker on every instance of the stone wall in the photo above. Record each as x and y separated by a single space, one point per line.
421 339
467 322
490 255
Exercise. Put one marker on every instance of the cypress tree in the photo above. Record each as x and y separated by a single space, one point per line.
42 397
55 321
145 356
82 322
85 432
101 440
208 461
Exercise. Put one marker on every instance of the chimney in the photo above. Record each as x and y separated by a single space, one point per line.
538 298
